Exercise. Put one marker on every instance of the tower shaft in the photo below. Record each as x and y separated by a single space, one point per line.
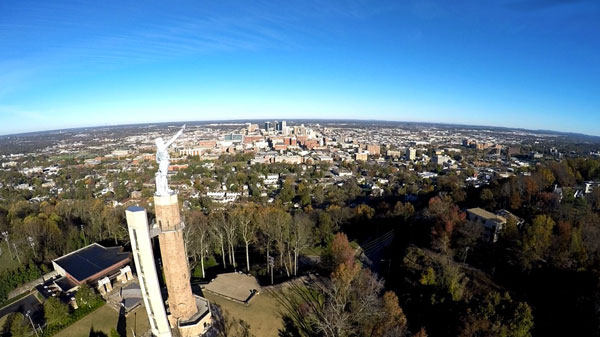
182 303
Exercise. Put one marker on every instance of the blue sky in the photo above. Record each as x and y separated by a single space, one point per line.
518 63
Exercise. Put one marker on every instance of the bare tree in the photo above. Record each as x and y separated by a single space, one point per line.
282 236
266 226
247 225
301 236
196 236
217 223
230 230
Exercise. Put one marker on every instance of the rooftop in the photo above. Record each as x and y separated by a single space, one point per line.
482 213
86 262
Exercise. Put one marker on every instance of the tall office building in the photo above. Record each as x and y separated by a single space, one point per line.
411 154
267 126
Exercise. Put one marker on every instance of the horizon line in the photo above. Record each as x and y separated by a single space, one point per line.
28 133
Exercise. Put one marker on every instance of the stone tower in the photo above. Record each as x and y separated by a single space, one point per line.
182 303
189 315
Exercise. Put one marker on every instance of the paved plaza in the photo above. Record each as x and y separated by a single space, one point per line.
237 287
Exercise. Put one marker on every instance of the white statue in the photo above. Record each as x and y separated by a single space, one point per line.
162 158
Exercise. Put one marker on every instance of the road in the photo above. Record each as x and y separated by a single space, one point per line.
27 303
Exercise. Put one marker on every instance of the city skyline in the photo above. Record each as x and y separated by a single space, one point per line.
67 65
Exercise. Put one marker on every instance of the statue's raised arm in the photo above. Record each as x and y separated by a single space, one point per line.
163 159
175 137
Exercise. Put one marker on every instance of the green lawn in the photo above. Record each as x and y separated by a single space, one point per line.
262 314
104 319
6 262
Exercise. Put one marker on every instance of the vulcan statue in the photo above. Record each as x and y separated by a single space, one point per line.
162 158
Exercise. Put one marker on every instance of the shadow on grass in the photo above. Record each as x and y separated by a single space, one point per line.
94 333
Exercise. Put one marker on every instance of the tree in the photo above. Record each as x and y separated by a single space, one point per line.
287 192
17 326
55 311
349 303
200 237
282 236
487 196
267 225
217 224
403 210
364 212
338 252
445 215
229 227
537 239
392 321
515 200
547 178
301 236
113 223
86 296
247 224
496 315
325 226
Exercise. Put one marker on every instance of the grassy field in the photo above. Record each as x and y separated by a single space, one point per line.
6 262
105 319
262 314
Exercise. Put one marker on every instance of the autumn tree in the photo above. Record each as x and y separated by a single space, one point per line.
338 252
349 303
391 321
546 177
445 215
404 211
537 238
497 315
